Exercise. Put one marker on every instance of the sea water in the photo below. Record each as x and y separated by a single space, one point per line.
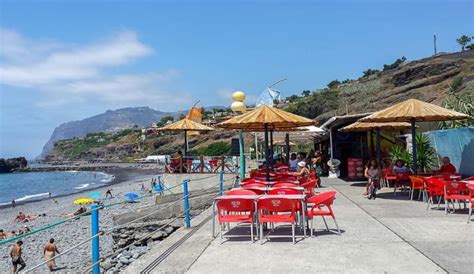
29 186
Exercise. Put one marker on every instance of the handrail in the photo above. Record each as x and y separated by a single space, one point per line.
109 230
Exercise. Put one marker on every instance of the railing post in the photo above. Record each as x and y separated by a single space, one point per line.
95 240
161 187
201 163
187 218
221 183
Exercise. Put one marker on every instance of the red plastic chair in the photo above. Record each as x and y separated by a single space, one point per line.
321 201
277 210
254 185
284 184
471 200
250 180
213 163
403 180
241 192
388 175
434 188
283 191
417 182
259 189
309 186
236 211
455 191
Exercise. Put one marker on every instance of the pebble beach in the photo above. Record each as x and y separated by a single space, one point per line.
73 232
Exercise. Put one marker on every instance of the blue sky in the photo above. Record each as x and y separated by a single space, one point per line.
68 60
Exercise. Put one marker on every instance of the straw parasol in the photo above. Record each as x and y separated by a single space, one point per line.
368 126
413 111
266 118
185 125
283 143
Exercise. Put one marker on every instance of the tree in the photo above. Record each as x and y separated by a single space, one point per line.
463 41
334 84
369 72
292 98
164 120
306 93
470 47
395 64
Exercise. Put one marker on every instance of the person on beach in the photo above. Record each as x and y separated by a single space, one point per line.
50 250
13 203
109 192
16 255
3 235
20 218
81 210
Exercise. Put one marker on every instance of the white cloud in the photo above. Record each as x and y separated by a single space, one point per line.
68 73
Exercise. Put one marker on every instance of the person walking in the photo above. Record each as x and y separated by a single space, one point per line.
50 250
109 193
16 255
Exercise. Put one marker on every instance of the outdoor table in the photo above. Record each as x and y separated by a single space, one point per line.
269 188
470 182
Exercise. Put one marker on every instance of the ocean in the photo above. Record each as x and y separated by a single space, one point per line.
30 186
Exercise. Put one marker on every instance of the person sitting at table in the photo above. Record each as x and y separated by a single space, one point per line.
400 167
293 162
447 167
303 170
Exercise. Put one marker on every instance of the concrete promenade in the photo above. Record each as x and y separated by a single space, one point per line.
389 234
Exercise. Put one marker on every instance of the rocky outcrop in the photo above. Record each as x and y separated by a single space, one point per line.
12 164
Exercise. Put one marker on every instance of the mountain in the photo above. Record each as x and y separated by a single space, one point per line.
430 79
109 121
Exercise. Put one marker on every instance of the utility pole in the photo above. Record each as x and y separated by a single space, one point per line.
434 42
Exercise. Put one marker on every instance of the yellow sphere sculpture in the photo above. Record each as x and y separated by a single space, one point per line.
237 106
238 96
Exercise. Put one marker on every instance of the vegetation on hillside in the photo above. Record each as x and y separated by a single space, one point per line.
215 149
427 79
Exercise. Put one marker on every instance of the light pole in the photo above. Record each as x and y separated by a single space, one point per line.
238 105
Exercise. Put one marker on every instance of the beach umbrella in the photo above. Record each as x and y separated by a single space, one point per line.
266 118
185 125
368 126
413 111
82 201
131 196
95 195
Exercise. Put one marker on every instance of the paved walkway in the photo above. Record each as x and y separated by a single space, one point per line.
385 235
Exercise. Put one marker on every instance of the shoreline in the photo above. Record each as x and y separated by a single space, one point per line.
50 210
121 174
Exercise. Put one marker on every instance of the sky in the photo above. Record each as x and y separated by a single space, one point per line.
68 60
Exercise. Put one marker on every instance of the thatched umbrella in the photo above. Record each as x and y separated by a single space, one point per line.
266 118
413 111
367 126
185 125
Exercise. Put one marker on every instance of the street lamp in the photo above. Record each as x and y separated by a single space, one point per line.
238 105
